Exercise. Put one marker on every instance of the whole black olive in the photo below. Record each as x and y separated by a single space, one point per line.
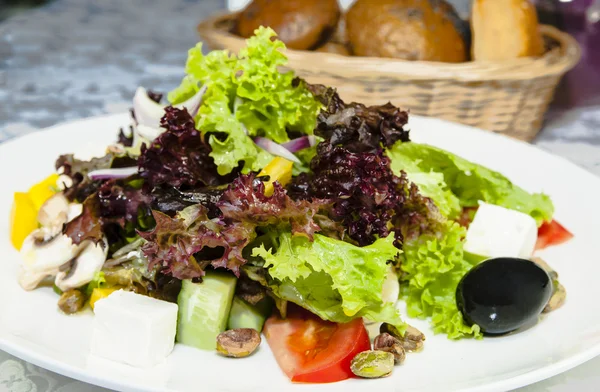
503 294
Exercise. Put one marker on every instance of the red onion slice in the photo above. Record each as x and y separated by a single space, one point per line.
148 133
300 143
193 104
275 149
106 174
147 112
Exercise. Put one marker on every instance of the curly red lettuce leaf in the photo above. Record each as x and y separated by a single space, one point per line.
88 225
171 200
245 201
77 170
367 197
357 127
185 245
350 169
115 203
173 242
179 157
81 186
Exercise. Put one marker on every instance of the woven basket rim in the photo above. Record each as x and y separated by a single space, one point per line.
556 61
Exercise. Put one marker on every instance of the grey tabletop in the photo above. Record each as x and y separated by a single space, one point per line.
70 59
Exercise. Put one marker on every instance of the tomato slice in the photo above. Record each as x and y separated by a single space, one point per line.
552 233
311 350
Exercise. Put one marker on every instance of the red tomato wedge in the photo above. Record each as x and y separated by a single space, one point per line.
552 233
311 350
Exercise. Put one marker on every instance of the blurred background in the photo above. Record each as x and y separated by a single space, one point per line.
92 54
67 59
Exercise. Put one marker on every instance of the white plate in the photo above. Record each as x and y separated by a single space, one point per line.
32 328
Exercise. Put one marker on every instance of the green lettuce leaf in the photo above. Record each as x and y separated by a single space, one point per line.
98 281
246 95
468 181
333 279
431 184
233 145
433 265
271 100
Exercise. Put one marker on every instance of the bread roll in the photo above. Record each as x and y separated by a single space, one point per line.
300 24
504 30
427 30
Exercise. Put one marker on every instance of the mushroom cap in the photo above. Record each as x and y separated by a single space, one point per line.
84 266
43 252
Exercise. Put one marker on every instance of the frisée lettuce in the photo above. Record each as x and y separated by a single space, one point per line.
433 265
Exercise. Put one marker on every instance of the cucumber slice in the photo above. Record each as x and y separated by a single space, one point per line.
245 315
204 309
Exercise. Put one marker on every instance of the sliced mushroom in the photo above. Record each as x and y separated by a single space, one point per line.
54 212
42 254
81 269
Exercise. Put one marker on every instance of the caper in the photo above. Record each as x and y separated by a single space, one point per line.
238 343
388 343
71 301
372 364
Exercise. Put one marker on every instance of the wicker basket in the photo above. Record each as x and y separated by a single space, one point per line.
508 97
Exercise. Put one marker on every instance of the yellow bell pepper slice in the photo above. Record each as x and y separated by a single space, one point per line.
280 170
23 219
43 190
99 293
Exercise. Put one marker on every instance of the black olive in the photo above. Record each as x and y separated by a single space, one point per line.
503 294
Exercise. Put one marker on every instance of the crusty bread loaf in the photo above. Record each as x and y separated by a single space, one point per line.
504 30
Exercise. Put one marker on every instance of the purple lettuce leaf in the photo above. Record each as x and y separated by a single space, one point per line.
179 157
184 245
357 127
245 201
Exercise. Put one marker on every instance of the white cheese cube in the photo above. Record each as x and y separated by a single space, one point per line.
134 329
499 232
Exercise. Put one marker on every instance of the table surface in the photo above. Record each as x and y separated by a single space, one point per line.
72 59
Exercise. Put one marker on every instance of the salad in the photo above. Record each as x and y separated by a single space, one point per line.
255 202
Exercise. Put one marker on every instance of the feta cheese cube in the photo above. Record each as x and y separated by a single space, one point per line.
134 329
499 232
